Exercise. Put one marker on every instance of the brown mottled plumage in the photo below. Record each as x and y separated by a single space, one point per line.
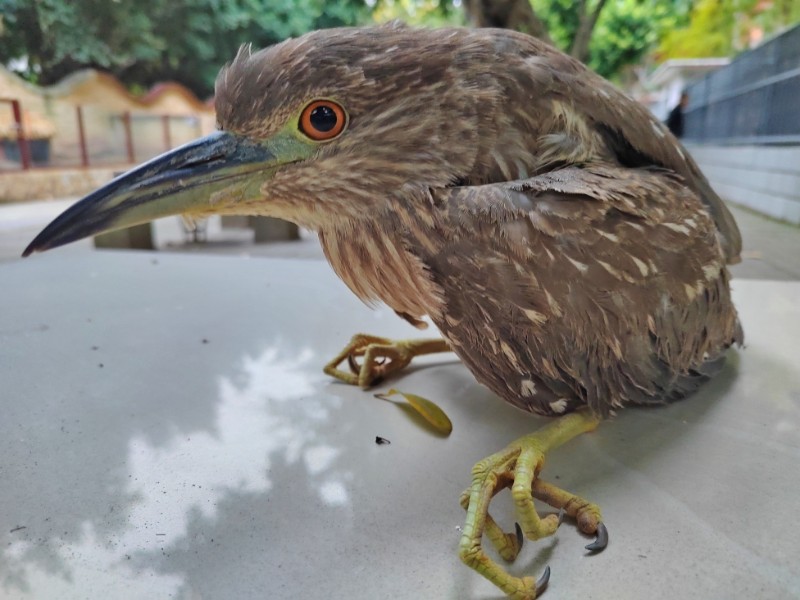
567 247
557 234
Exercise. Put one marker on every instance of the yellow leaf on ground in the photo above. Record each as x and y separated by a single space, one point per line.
429 410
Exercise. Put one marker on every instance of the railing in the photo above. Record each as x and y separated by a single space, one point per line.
23 149
88 136
753 100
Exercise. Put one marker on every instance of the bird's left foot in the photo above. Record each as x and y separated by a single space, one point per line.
517 466
380 357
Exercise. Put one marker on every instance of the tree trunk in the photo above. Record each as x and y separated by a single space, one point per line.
507 14
580 43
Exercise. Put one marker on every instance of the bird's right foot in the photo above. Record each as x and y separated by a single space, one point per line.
517 467
380 357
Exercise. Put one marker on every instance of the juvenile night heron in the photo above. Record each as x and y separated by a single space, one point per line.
564 243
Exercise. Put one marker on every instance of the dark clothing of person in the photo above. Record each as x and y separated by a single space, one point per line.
675 121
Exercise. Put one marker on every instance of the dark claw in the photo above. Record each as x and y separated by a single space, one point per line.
520 539
602 539
541 585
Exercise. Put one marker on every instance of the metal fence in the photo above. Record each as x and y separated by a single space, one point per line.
753 100
84 136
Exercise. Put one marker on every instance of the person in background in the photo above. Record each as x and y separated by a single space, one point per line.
675 118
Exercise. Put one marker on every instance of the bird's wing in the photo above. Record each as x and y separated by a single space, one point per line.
638 139
608 280
630 131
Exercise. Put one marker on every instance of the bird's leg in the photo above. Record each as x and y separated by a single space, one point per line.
517 466
507 545
381 357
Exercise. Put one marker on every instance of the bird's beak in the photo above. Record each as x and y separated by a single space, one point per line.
205 176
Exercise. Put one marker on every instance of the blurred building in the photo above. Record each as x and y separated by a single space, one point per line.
743 127
91 117
664 86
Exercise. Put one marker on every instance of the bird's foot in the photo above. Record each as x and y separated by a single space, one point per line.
518 466
381 357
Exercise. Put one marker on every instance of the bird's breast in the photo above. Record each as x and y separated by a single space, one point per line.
374 263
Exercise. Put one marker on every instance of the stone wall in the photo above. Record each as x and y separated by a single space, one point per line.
43 184
763 178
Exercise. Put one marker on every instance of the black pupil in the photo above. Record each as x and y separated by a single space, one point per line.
323 118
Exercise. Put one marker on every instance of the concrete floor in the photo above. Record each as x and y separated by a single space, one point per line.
164 435
771 248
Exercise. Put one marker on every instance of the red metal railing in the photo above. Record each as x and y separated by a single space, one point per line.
82 137
27 159
126 121
22 141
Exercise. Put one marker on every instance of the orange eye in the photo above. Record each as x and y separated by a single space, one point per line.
322 120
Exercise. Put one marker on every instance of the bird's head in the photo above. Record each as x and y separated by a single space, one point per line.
327 126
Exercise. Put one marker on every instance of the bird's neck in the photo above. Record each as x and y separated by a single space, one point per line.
371 257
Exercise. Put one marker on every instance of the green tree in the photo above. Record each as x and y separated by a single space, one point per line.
429 13
605 34
708 33
624 30
57 36
722 28
628 30
214 30
146 41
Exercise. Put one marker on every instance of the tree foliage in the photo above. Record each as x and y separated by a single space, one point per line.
509 14
717 28
608 35
50 33
625 30
154 40
428 13
145 41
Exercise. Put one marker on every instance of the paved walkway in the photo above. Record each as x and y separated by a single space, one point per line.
772 249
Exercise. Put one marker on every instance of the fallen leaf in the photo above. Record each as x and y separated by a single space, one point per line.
429 410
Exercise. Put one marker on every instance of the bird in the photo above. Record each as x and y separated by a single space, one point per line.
564 243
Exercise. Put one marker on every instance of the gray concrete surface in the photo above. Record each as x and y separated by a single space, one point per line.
772 248
163 437
19 224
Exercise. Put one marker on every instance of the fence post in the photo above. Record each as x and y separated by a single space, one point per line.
126 122
22 141
167 136
82 137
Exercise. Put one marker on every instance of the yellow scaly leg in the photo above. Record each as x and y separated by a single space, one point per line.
518 466
381 357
